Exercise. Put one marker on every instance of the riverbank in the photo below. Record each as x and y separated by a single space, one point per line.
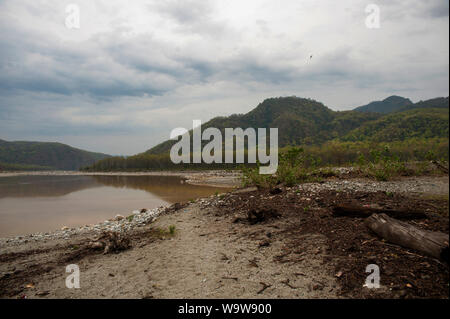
211 249
214 178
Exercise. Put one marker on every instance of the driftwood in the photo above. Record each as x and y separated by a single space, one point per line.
440 166
363 212
434 244
110 242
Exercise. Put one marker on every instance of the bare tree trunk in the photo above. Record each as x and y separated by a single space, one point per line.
359 211
434 244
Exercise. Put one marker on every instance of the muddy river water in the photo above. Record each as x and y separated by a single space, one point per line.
30 204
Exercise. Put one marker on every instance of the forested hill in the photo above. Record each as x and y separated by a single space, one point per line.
439 102
307 122
42 155
414 130
398 104
412 123
299 121
388 105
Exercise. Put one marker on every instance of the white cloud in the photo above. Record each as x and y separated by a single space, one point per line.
133 71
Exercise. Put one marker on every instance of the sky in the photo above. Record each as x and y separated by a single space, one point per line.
135 70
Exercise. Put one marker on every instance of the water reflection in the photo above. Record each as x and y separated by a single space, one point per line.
169 188
44 186
31 204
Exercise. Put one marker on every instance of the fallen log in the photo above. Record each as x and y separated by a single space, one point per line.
363 212
434 244
440 166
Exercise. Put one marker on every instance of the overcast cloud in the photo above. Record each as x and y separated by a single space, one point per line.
136 69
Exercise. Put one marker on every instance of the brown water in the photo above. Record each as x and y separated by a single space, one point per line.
30 204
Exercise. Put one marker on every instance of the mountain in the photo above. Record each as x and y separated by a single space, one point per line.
308 122
400 126
299 121
388 105
439 102
43 155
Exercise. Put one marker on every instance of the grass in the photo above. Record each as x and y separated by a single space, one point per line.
384 165
164 233
380 163
295 166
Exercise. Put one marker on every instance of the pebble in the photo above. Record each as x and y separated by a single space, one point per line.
119 224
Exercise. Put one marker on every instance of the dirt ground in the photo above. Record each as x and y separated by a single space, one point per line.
222 249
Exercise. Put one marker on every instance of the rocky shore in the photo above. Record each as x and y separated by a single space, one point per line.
121 224
215 248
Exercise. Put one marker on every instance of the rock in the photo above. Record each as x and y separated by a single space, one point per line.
65 228
118 217
264 243
275 191
317 287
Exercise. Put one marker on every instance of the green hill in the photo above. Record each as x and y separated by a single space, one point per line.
308 122
388 105
399 104
299 121
400 126
42 155
311 124
439 102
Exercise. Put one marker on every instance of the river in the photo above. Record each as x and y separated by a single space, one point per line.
30 204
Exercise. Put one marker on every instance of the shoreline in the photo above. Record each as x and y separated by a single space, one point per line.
217 252
427 186
212 178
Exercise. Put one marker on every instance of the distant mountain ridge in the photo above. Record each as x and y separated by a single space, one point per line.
396 103
399 126
391 104
439 102
299 121
44 155
303 121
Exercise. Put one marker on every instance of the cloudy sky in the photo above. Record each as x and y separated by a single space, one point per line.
135 70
